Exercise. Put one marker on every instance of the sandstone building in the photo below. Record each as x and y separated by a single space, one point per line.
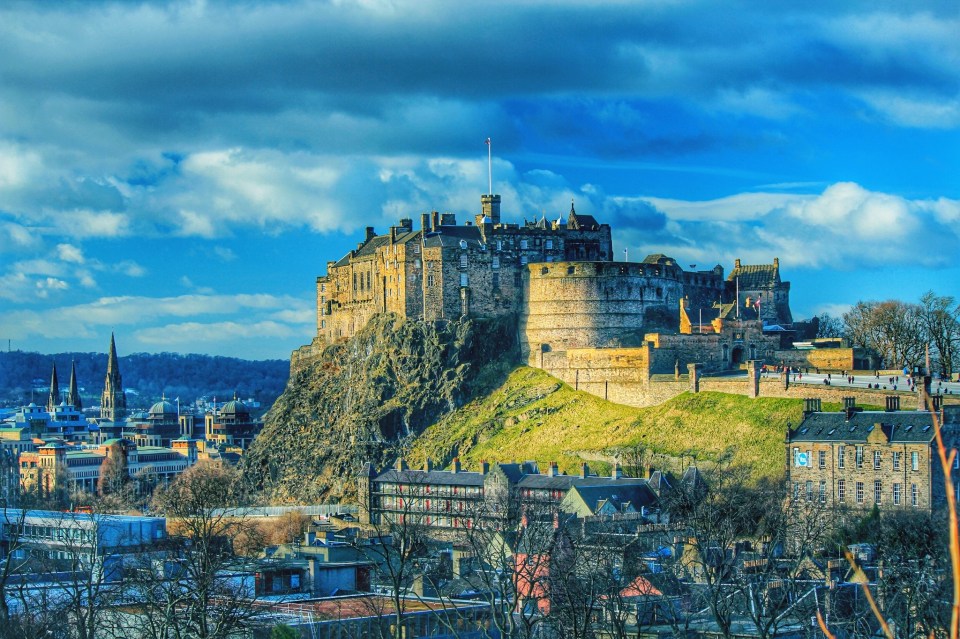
859 459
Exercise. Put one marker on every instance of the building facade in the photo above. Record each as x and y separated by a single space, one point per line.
860 459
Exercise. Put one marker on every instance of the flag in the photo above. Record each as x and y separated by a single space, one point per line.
487 142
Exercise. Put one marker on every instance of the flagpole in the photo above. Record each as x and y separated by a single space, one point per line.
738 297
489 167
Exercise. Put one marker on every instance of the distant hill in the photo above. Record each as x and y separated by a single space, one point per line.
151 375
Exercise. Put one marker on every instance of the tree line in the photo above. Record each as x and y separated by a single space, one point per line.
152 375
901 332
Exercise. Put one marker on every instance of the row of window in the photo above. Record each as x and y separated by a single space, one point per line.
806 459
859 492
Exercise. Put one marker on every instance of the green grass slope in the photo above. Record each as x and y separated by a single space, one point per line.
535 416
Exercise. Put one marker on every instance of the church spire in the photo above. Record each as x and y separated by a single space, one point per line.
54 398
73 395
113 402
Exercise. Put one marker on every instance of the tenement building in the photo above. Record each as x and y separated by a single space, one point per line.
458 499
856 458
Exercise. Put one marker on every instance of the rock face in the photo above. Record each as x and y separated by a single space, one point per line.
368 398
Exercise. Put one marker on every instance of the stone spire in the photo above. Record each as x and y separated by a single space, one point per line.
73 395
113 403
53 400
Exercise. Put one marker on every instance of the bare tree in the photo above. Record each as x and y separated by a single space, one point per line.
940 318
894 329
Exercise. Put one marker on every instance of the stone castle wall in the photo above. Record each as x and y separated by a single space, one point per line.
568 305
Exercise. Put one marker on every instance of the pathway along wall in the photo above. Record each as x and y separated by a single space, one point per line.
571 305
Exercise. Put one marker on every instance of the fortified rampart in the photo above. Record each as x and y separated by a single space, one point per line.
595 304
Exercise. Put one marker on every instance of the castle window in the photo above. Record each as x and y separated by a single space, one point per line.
496 263
499 245
429 280
840 459
463 244
544 270
323 288
323 323
354 282
416 249
464 280
523 259
859 492
570 270
548 244
368 280
523 244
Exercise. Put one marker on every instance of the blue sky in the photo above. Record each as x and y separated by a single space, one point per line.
180 172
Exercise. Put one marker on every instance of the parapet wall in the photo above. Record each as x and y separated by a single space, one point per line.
571 305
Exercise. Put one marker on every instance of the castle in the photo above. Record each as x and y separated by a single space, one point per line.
559 280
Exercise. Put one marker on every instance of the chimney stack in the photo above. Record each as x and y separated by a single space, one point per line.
370 234
435 221
617 471
893 403
811 405
429 465
401 464
485 467
425 222
584 471
553 470
456 464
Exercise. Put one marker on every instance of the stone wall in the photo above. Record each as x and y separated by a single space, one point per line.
594 304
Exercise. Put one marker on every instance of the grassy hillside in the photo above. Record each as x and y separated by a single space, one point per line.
535 416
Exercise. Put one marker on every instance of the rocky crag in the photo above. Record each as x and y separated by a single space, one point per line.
367 398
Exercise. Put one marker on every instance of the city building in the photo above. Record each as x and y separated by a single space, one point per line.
231 425
458 499
860 459
82 468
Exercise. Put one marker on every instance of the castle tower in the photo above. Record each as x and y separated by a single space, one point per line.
53 400
490 205
113 403
73 395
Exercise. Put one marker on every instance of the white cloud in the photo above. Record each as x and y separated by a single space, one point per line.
70 253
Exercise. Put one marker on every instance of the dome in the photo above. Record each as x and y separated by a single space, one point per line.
235 407
162 409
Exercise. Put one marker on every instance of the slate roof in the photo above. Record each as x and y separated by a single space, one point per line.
756 276
448 236
899 427
430 477
585 222
636 494
661 259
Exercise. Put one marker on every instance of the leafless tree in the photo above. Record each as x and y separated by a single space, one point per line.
940 318
894 329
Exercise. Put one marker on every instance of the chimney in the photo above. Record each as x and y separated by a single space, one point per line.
429 465
811 405
435 221
584 471
484 467
893 403
456 464
401 464
309 537
849 403
776 262
617 471
553 471
406 224
370 234
448 219
937 404
393 235
736 263
425 222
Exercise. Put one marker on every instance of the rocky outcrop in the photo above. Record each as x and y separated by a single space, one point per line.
367 398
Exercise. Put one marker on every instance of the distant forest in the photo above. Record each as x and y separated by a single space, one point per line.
151 375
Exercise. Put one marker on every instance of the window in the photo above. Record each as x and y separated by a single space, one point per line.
896 460
809 490
499 245
796 491
368 280
876 460
496 280
464 280
859 492
429 280
463 244
496 263
523 259
548 244
840 451
914 495
523 244
859 456
877 491
914 460
463 260
841 490
517 279
896 494
416 249
822 458
823 491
